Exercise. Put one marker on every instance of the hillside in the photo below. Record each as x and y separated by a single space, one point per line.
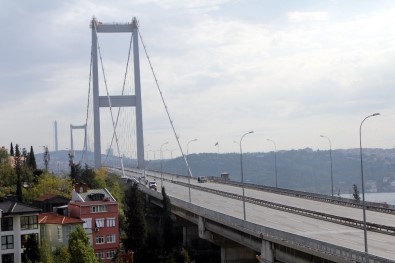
304 170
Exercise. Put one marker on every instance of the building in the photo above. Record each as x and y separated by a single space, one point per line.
49 202
55 228
99 211
18 222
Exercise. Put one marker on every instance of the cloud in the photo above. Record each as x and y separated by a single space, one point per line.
297 16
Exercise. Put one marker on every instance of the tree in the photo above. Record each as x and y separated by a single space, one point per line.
48 184
355 193
11 150
75 172
62 255
80 248
32 159
45 252
18 170
136 225
32 251
167 222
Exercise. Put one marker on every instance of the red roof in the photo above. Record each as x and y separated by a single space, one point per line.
53 218
45 197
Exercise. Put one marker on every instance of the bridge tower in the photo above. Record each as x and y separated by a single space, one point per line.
119 100
73 127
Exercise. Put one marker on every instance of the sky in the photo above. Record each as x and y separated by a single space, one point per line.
288 70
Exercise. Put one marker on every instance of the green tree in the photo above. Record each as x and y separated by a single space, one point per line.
11 150
32 251
75 172
32 159
167 222
62 255
80 247
45 252
355 193
19 171
48 184
136 225
7 179
185 256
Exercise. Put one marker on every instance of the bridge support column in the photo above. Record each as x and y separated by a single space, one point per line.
189 233
266 252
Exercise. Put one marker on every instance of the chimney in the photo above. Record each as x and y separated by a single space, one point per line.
81 187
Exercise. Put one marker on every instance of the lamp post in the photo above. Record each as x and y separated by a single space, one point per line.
146 151
275 158
242 176
330 156
363 187
161 165
189 170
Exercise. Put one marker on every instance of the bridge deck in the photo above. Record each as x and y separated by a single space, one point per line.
382 245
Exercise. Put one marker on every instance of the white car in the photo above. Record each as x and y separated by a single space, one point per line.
152 185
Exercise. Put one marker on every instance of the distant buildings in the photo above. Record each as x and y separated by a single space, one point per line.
55 217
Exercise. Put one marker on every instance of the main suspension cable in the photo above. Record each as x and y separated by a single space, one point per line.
164 103
87 107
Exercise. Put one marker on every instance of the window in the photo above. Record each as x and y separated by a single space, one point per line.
87 223
100 222
29 222
100 240
98 208
7 242
110 254
100 255
7 258
60 233
110 222
7 224
110 239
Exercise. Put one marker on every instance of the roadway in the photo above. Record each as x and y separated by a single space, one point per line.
382 245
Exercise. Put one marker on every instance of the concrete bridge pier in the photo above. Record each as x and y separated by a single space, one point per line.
266 252
231 252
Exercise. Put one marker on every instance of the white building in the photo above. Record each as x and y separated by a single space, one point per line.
18 222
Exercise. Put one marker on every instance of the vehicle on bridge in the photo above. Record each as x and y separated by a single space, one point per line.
152 185
202 179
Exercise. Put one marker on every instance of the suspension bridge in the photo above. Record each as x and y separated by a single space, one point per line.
277 225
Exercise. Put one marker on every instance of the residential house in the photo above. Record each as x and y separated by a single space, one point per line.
55 228
49 202
18 221
99 211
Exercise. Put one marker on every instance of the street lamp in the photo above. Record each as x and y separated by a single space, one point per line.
161 165
146 151
330 156
189 169
363 188
275 158
242 176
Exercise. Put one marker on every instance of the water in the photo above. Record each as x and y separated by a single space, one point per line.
388 198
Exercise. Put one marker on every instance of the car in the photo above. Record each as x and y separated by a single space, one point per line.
152 185
202 179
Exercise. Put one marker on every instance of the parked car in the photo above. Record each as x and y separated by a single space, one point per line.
202 179
152 185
